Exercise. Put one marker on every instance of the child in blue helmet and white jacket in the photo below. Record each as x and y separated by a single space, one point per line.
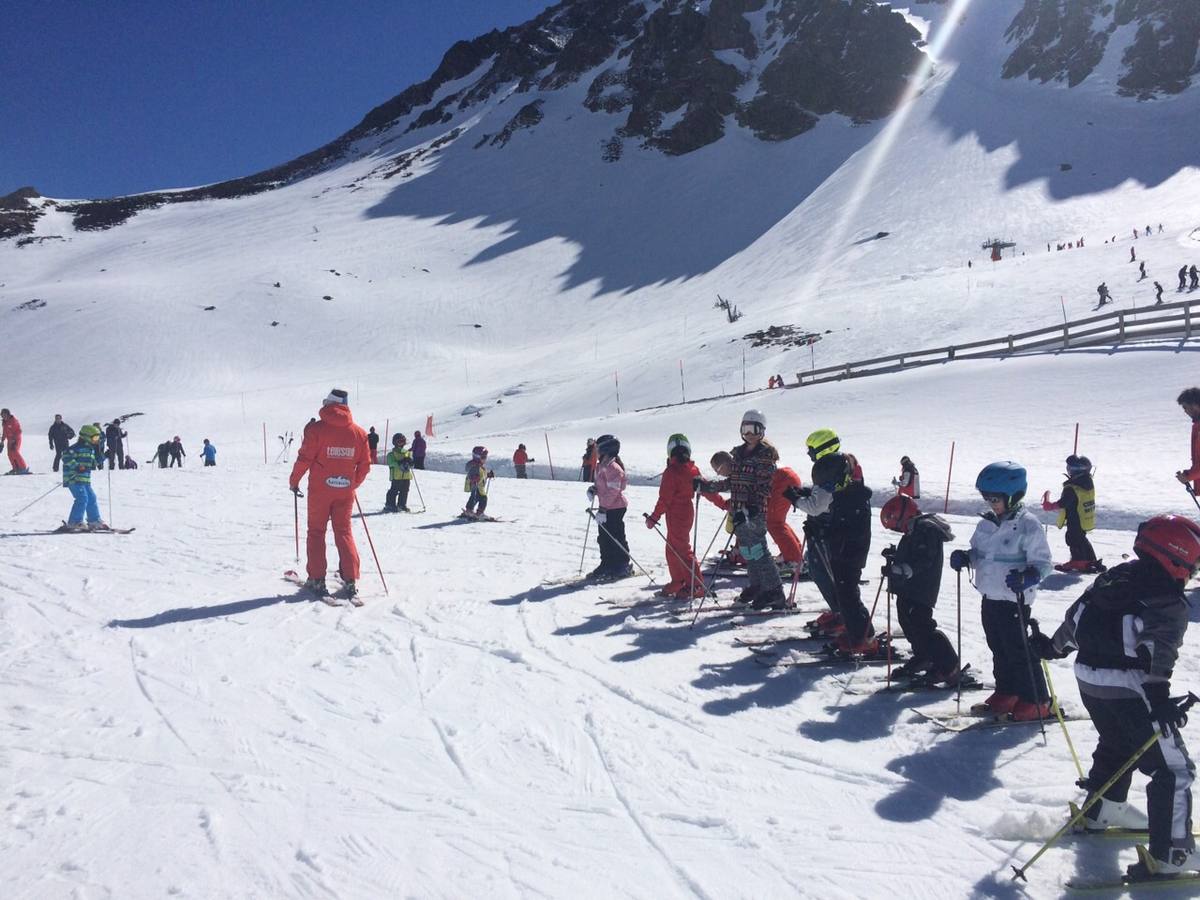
1010 556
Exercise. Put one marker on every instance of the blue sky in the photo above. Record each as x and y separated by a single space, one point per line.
106 98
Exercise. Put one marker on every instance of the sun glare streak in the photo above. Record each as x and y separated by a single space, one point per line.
882 146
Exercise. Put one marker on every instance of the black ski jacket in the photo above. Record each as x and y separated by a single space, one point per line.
921 550
113 436
847 533
60 435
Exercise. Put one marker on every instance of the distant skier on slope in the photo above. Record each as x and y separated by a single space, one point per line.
60 436
1128 628
1010 556
177 453
373 445
521 459
78 462
1183 273
1158 292
1077 511
909 482
675 496
914 572
400 465
336 456
1194 276
476 483
418 450
114 438
208 453
1105 296
10 436
1142 276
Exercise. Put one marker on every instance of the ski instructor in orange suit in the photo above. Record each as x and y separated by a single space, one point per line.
337 458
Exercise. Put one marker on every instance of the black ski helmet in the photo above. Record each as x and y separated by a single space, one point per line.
831 469
608 445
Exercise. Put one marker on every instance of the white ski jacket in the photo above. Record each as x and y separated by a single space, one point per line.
1014 542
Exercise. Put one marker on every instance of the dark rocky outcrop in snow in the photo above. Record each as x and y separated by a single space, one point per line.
17 214
1065 40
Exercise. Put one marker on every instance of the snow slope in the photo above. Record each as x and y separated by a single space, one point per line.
180 722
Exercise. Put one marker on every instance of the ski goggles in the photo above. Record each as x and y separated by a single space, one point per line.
750 429
995 498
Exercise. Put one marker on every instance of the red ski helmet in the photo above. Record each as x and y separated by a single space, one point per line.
898 512
479 451
1171 541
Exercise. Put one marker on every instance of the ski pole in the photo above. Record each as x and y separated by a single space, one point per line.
586 532
600 526
695 537
728 541
109 477
43 497
875 605
371 543
720 525
889 643
1192 492
413 472
958 650
296 505
1078 817
1061 721
1037 699
678 555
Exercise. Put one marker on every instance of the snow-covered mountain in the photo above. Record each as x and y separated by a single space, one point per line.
529 246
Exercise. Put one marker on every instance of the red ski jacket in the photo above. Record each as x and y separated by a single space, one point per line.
334 453
778 506
12 429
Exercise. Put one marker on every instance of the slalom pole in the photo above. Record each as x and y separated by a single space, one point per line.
946 505
371 543
39 499
600 526
695 523
1029 661
1058 713
549 458
1078 817
586 533
413 472
700 606
958 649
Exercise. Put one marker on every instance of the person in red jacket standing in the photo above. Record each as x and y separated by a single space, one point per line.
675 496
336 456
12 439
778 507
1190 401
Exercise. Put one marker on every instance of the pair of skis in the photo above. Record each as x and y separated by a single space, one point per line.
331 599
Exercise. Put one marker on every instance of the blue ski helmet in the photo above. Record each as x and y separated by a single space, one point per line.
1005 477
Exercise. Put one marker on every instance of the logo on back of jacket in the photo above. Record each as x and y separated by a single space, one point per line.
340 452
338 481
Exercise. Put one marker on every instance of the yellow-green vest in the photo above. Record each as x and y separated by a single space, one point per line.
400 464
1086 500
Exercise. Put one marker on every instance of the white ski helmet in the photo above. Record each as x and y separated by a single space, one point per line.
754 417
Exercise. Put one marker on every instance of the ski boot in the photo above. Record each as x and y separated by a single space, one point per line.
772 599
1179 861
71 527
868 646
98 526
674 589
996 705
1106 814
350 588
746 597
389 508
317 586
1024 711
914 669
827 623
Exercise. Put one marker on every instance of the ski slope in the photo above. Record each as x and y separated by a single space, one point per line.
180 722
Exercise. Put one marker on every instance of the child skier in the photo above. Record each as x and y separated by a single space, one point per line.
78 462
1010 557
209 453
749 487
608 491
909 482
476 483
791 551
914 572
400 463
675 496
814 503
1128 628
843 547
1077 510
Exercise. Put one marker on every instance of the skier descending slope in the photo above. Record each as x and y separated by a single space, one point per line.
1128 628
914 572
78 462
336 456
1010 556
749 487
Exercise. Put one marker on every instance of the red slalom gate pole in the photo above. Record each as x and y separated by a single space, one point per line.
946 507
371 543
548 456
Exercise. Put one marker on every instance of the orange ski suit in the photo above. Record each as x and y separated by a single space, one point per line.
778 507
12 443
337 458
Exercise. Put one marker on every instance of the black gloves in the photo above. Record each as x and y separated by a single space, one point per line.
959 560
796 494
1041 645
739 518
697 484
1166 712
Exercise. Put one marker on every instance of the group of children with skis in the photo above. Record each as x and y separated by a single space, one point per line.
1127 627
